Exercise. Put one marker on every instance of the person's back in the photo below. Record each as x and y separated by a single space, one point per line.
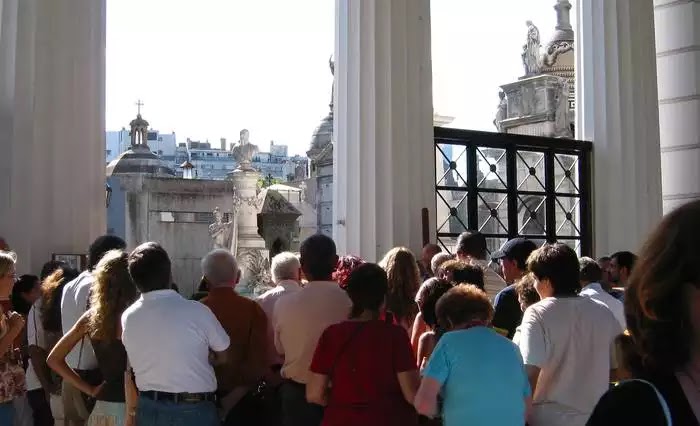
300 319
165 336
484 378
362 360
596 292
571 340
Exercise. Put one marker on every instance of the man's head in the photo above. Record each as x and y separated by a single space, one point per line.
604 264
471 244
149 267
220 269
620 269
285 266
318 258
437 261
102 245
512 257
429 251
556 268
590 271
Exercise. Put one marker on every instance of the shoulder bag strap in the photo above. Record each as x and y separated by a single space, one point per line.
662 400
82 341
345 345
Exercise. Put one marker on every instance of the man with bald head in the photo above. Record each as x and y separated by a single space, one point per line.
246 325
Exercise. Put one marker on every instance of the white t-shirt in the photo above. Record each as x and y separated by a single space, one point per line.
74 303
168 338
571 340
596 292
35 337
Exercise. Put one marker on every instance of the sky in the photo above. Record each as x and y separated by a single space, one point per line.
207 69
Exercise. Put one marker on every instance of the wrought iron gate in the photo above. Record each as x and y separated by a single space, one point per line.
506 185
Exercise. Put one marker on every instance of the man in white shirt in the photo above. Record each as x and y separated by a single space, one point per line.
171 343
471 246
299 320
567 342
286 274
74 303
591 275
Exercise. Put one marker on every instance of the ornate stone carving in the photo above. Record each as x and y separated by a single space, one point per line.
221 232
501 112
562 126
554 50
531 51
244 151
256 268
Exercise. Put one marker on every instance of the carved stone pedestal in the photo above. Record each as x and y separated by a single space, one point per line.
248 246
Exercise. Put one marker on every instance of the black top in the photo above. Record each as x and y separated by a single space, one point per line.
111 359
508 314
636 403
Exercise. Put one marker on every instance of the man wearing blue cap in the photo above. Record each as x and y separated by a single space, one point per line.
513 258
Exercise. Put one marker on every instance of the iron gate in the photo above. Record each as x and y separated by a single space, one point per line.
506 185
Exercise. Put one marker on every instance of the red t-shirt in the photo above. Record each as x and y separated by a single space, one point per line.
365 390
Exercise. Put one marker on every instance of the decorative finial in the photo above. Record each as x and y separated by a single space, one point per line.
563 8
139 104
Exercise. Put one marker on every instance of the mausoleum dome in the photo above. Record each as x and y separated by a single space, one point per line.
323 135
559 58
139 159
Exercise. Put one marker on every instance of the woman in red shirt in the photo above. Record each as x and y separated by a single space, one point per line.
363 369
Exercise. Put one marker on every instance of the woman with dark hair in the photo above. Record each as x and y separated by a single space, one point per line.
662 347
433 289
43 331
112 292
370 387
26 291
404 280
479 373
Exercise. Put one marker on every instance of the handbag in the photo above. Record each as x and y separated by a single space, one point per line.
12 377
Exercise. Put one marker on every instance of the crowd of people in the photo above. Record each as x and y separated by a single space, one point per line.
524 335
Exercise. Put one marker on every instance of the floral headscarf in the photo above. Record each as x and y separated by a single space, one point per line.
346 264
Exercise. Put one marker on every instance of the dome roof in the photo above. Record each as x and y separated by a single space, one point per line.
323 135
138 159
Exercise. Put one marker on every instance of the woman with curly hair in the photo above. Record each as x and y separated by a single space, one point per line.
404 280
661 349
112 293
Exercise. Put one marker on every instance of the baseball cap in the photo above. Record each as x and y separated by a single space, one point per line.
516 249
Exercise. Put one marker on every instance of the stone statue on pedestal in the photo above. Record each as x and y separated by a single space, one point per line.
244 151
221 232
502 112
531 51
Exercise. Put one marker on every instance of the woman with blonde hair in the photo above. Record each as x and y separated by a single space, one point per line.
404 280
12 379
112 293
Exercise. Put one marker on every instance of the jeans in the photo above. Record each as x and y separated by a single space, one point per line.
164 413
7 412
296 411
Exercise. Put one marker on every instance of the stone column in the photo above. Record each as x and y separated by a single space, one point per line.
383 155
52 127
617 110
678 67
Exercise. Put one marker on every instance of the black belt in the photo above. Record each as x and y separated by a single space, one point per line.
179 398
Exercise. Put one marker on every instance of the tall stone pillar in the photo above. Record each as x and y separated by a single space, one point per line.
678 67
617 110
52 127
383 154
